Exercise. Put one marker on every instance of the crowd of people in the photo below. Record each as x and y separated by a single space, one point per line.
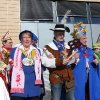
73 67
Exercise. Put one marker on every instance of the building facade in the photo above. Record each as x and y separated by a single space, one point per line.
10 18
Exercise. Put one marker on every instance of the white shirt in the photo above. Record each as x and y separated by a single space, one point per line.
3 91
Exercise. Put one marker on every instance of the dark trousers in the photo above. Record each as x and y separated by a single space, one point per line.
22 98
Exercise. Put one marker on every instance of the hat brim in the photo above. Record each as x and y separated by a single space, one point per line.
61 29
67 29
96 47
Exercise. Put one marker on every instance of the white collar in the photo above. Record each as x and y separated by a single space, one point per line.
31 48
53 46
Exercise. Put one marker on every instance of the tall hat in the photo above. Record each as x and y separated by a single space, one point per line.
61 27
79 30
6 37
97 44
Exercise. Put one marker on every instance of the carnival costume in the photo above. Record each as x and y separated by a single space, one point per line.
85 75
26 71
4 59
97 55
60 74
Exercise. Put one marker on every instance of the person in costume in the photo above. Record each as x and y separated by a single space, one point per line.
34 43
26 69
96 48
87 84
60 74
4 58
4 66
46 61
35 40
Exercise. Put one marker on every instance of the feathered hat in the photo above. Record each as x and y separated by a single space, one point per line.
61 27
6 37
79 30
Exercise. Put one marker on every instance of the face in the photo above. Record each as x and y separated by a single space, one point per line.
83 40
34 43
59 36
8 43
98 50
26 40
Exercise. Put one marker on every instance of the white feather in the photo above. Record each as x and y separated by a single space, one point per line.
63 21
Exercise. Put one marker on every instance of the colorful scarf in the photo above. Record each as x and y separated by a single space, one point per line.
60 45
18 77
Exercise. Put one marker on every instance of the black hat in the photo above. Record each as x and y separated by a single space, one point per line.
60 27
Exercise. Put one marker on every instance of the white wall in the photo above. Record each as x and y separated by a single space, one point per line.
45 35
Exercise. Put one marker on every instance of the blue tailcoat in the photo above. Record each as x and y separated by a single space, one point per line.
30 89
80 76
